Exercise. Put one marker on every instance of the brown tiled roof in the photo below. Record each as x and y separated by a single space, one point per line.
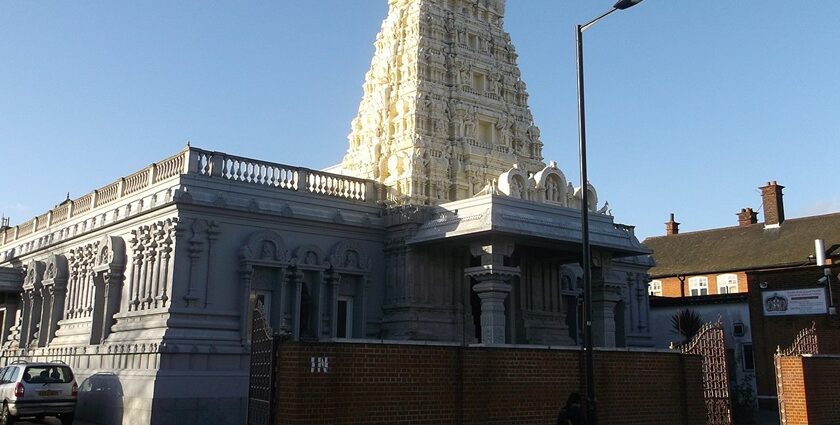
742 248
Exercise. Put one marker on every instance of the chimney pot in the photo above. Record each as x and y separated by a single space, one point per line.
672 227
747 217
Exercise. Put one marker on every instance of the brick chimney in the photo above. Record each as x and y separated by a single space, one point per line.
672 227
774 209
747 217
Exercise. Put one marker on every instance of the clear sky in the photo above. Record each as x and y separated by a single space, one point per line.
691 105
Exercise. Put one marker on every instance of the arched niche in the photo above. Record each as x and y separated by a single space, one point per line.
515 183
592 199
264 247
551 185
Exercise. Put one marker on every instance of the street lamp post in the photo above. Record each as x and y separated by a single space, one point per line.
584 213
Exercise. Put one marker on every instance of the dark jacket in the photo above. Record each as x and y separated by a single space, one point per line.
571 415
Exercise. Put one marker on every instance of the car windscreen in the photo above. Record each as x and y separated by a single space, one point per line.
47 374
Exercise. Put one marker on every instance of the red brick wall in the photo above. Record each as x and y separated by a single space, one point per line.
400 383
809 388
780 331
671 285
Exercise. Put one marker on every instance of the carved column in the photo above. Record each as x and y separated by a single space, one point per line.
44 320
606 293
296 308
333 282
31 311
494 283
492 289
245 274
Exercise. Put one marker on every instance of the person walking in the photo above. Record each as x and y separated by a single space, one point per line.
572 412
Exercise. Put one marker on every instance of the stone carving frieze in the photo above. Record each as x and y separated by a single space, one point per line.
347 256
266 247
310 257
34 275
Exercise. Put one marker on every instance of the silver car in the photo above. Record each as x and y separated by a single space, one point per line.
37 389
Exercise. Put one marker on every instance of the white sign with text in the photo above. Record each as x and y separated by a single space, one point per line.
794 302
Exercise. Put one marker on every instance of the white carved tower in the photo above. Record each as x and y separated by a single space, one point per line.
444 110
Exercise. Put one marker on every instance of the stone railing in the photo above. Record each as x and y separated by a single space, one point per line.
205 163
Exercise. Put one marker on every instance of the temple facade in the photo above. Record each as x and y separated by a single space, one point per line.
442 223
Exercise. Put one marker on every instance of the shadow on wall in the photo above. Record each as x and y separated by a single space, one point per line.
100 399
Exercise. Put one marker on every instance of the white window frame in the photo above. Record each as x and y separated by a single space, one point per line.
727 283
655 288
698 284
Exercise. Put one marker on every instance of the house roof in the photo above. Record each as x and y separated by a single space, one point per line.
742 248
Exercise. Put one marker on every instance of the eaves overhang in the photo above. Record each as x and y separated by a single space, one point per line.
495 215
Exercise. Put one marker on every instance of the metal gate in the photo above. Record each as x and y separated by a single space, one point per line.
710 343
805 343
262 378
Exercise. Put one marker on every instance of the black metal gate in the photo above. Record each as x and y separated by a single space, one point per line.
710 343
262 378
806 343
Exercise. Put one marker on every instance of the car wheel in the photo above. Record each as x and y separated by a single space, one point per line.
66 419
6 417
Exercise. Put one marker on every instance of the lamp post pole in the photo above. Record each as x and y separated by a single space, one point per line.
584 214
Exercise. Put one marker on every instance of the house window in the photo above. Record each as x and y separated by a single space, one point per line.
698 285
749 362
655 288
727 284
344 316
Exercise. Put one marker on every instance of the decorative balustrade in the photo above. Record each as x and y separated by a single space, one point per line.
82 205
61 213
169 167
209 164
26 229
42 221
136 181
108 193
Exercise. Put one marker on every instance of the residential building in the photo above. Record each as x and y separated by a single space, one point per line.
766 269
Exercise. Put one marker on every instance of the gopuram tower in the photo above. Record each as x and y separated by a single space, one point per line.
444 110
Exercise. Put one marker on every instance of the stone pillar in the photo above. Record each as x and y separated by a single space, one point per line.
296 308
492 293
494 283
606 293
333 281
245 275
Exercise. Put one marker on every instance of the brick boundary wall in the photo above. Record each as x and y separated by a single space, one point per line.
379 383
809 389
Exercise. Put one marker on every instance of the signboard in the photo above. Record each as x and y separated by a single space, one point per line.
794 302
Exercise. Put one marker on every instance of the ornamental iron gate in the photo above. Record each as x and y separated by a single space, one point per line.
710 344
805 343
261 382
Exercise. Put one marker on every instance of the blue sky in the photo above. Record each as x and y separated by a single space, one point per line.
691 105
